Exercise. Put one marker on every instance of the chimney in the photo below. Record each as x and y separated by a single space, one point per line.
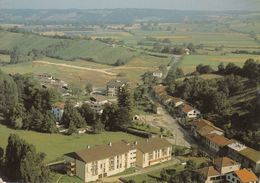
110 144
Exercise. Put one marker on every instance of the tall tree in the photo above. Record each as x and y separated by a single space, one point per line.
125 99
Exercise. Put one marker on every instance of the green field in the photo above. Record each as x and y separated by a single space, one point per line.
189 62
55 145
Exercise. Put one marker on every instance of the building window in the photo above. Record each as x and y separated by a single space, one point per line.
164 152
111 163
150 155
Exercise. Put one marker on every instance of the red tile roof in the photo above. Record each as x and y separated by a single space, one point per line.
60 105
208 171
224 161
187 108
246 176
219 140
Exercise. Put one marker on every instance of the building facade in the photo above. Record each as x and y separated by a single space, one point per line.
92 164
114 86
58 110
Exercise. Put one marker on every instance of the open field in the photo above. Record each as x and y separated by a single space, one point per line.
4 58
55 145
189 63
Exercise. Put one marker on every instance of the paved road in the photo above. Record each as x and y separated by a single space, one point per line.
181 136
115 179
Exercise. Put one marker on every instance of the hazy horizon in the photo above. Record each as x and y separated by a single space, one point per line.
206 5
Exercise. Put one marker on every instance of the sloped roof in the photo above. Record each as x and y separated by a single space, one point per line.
101 152
60 105
246 176
152 144
220 140
208 171
117 83
251 154
187 108
224 161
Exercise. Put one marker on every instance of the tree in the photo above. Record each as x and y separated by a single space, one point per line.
88 88
2 153
164 175
221 68
98 126
179 73
108 116
88 114
204 69
122 119
190 165
125 99
8 95
75 89
23 163
251 69
71 117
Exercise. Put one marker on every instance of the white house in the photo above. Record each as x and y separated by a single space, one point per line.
58 110
190 112
158 74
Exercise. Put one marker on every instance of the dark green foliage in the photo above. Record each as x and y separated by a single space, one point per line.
125 99
71 117
251 69
88 88
187 176
164 175
34 108
190 165
23 163
8 96
2 153
18 56
204 69
88 114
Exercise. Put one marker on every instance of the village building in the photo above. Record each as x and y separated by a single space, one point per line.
158 74
97 103
153 151
218 171
215 142
201 127
94 163
58 110
242 176
190 112
248 157
114 86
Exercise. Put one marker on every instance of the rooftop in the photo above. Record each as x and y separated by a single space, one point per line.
220 140
101 152
246 176
208 171
160 89
187 108
224 161
60 105
251 154
237 146
148 145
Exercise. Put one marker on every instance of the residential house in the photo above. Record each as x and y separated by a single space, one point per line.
58 110
201 127
217 172
242 176
114 86
210 174
158 74
189 111
225 165
248 157
94 163
97 103
152 151
177 101
215 142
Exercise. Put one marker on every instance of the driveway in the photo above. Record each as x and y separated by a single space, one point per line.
165 120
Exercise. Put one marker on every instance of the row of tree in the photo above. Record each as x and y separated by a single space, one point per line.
25 104
21 162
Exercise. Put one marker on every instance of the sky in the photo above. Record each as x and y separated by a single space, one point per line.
149 4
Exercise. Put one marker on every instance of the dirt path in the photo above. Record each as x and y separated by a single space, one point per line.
77 67
165 120
141 171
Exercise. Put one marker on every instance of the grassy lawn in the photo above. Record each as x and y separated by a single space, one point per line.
64 178
55 145
4 58
152 177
